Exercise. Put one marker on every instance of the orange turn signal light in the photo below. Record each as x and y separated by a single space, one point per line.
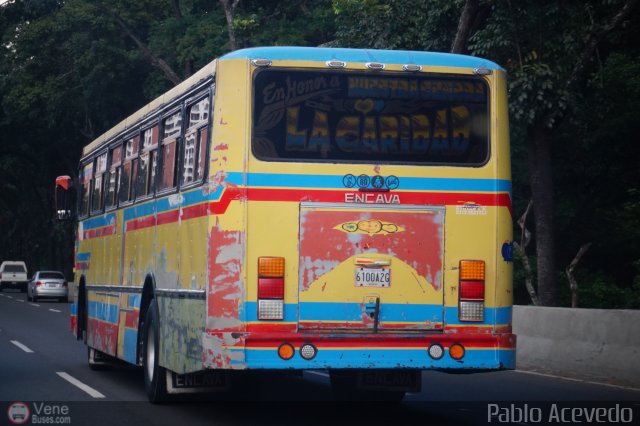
472 270
456 351
286 351
270 267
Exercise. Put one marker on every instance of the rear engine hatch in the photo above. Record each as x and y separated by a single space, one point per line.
371 268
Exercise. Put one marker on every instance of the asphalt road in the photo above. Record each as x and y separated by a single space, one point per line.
44 367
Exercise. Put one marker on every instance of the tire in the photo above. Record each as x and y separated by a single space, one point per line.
34 298
155 376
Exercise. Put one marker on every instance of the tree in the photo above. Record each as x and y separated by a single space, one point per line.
555 48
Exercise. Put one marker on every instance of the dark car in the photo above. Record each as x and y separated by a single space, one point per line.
47 284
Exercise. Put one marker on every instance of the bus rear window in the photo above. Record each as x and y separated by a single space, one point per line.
370 118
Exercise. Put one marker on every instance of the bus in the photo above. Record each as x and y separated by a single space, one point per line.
294 208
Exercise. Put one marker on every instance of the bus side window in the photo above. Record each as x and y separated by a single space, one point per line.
172 129
112 178
195 145
125 192
145 171
85 181
100 168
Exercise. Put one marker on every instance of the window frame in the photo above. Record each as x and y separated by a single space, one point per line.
197 128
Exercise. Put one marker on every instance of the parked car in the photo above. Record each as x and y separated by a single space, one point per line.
48 284
13 274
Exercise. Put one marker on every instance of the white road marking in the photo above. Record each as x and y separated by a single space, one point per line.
578 380
35 304
21 346
10 297
77 383
19 300
54 310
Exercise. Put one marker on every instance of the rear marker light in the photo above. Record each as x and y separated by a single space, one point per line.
456 351
270 267
436 351
308 351
286 351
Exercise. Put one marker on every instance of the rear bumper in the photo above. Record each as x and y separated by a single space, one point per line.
389 351
51 292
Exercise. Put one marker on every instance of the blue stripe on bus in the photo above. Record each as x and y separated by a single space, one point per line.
103 311
334 311
99 221
362 55
381 358
280 180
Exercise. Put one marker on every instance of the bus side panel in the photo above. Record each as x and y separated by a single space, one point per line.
182 318
226 314
98 239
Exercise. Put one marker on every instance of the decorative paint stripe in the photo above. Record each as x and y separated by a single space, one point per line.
278 187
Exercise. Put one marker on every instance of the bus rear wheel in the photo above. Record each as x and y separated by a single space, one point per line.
155 376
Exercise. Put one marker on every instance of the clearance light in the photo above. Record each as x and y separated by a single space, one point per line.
261 62
374 65
286 351
270 288
336 64
308 351
456 351
436 351
471 290
411 67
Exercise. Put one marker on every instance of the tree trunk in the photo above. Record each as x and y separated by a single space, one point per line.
228 11
464 26
541 183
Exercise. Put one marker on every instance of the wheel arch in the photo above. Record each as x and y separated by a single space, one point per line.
148 295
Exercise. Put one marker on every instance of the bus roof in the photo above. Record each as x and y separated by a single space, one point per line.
362 55
150 108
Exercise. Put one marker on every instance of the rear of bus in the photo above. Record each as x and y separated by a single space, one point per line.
376 216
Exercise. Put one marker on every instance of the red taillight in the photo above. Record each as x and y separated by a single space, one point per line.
38 283
270 288
473 290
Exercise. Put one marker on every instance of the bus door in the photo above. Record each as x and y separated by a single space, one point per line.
370 268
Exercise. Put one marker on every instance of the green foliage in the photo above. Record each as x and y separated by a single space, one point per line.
396 24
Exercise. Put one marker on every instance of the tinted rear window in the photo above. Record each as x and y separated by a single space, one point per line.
372 118
54 275
14 268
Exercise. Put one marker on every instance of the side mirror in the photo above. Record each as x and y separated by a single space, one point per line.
64 197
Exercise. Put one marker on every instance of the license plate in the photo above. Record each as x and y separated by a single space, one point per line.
399 380
53 285
367 277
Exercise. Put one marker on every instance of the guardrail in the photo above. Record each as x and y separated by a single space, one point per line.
594 344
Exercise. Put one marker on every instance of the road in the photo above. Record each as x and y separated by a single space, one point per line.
43 366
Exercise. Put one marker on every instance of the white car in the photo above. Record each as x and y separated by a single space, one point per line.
48 284
13 274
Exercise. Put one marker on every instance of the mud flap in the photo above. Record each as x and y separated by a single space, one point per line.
390 380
